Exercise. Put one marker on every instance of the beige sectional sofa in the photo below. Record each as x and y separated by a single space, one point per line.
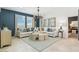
23 34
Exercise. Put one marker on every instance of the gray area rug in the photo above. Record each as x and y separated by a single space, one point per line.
40 45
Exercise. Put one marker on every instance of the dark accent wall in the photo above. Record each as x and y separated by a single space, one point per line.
8 19
0 19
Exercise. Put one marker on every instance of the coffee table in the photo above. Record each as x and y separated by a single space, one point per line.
40 36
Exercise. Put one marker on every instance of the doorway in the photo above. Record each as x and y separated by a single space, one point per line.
73 27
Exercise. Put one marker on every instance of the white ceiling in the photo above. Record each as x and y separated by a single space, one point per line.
48 11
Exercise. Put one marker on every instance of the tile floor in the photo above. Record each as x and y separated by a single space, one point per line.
64 45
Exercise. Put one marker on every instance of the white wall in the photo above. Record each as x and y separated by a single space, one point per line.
62 21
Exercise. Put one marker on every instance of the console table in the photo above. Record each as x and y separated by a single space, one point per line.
5 37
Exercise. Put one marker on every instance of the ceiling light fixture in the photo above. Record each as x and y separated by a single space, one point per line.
38 15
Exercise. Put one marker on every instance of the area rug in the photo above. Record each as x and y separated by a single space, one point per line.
40 45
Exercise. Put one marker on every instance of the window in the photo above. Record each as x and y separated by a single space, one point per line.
19 23
29 22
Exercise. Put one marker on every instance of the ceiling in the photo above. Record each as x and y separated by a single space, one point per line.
48 11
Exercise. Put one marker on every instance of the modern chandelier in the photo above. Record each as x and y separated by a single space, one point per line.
38 11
